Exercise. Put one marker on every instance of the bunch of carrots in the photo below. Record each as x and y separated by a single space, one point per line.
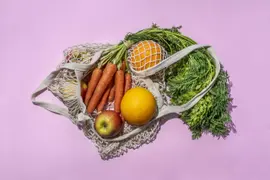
108 84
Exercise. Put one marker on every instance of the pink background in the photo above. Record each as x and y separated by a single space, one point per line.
39 145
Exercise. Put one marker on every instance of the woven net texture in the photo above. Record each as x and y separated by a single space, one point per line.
145 54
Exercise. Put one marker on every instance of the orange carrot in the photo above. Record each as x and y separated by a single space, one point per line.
112 94
123 67
101 87
104 99
92 83
119 89
128 82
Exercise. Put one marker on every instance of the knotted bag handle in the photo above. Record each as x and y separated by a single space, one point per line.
49 79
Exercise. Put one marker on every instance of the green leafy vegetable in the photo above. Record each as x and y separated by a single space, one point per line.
211 113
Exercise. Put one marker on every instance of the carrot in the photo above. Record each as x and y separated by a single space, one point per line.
104 99
123 67
128 82
112 94
101 87
92 83
119 89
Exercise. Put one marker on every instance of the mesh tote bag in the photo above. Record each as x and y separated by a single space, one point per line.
79 61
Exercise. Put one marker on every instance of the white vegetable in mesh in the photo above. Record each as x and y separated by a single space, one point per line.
78 61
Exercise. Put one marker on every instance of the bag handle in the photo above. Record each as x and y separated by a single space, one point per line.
174 109
197 97
168 61
49 106
48 80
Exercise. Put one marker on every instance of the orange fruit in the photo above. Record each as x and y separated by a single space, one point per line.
138 106
146 54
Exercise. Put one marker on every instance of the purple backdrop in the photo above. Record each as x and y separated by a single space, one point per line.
38 145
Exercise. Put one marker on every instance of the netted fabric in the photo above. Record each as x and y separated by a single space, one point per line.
65 88
145 54
65 85
79 61
108 150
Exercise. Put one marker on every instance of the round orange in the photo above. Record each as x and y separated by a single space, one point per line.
138 106
146 54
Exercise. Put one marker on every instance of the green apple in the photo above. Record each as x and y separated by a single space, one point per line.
108 124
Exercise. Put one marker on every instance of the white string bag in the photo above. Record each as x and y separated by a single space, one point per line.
64 83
